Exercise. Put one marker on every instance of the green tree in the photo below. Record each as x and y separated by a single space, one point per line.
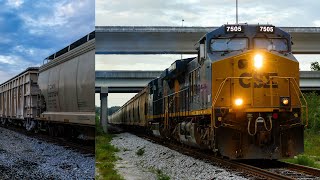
315 66
313 100
97 110
113 109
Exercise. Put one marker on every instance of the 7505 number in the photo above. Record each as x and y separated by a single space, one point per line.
233 28
269 29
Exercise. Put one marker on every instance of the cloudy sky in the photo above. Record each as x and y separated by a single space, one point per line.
195 13
33 30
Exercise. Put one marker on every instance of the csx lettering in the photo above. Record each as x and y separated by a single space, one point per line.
261 80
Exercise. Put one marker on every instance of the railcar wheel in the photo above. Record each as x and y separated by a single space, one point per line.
60 130
30 125
50 130
3 121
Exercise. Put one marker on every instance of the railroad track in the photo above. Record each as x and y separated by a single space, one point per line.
69 144
268 169
83 147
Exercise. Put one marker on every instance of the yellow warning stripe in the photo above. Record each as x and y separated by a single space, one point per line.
183 114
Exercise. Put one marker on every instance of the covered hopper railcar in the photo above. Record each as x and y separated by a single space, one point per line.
239 97
58 96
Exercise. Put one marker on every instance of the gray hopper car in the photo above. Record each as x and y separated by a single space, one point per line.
58 96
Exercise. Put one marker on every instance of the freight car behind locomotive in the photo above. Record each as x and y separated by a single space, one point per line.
239 97
20 98
58 96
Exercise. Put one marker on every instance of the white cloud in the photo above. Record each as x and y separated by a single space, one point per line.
43 21
63 14
9 59
16 63
39 53
29 51
204 13
15 3
316 23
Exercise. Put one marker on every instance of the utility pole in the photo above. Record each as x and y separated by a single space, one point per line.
182 26
237 11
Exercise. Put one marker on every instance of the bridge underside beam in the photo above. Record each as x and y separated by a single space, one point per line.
179 42
121 89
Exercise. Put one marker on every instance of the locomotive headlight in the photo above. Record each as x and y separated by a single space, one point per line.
238 102
284 101
258 61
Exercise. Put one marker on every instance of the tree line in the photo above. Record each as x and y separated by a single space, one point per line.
315 66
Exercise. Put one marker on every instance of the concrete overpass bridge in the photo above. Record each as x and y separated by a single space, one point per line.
181 40
124 81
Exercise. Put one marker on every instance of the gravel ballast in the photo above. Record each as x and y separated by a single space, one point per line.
160 158
22 157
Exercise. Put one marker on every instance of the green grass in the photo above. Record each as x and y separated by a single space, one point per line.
304 160
140 151
311 155
160 174
105 155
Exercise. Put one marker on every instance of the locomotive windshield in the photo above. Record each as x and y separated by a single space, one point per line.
229 44
278 44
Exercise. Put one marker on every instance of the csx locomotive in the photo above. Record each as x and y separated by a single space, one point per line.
239 97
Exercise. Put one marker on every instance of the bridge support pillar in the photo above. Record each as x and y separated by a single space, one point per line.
104 108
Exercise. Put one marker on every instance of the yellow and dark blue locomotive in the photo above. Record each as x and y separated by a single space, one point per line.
239 97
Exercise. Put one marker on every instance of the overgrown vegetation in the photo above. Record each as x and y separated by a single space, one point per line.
140 151
113 109
160 174
305 161
315 66
105 155
311 155
313 100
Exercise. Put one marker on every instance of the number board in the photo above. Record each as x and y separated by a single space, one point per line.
266 29
234 29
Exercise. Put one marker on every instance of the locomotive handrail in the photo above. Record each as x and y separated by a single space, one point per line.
213 121
306 106
294 83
